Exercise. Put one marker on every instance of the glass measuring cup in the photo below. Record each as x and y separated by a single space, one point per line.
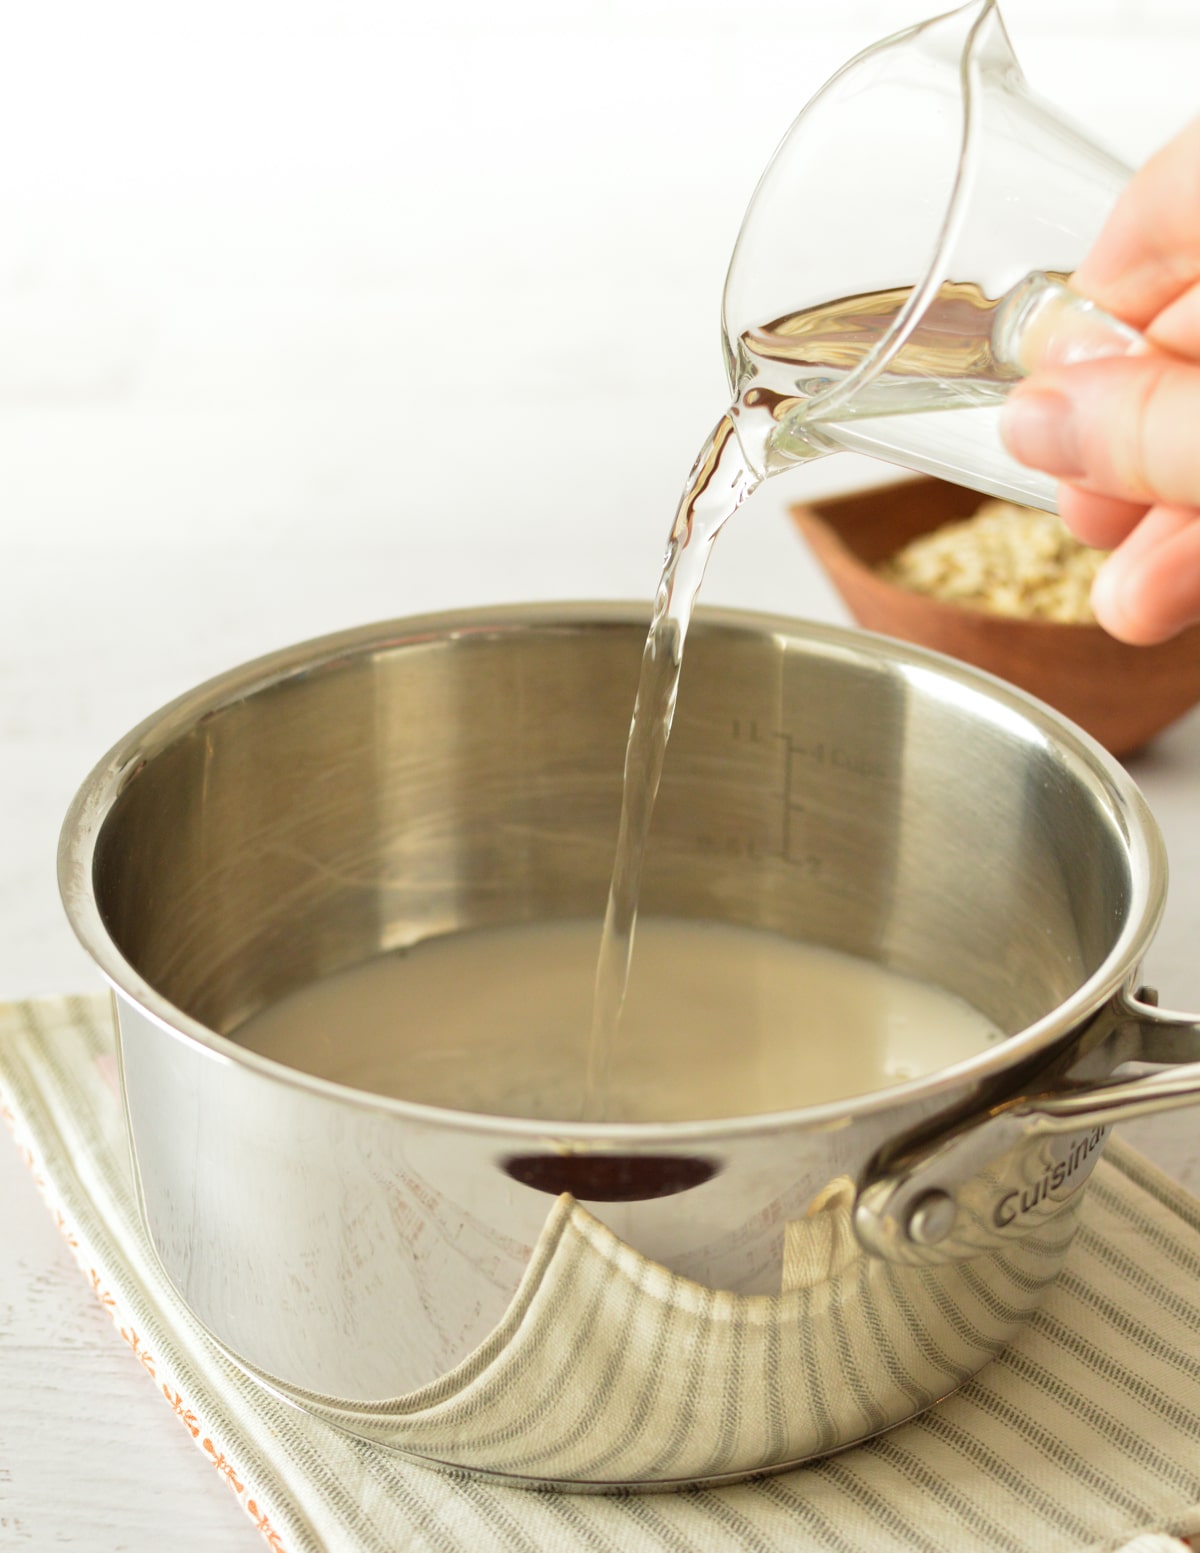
903 259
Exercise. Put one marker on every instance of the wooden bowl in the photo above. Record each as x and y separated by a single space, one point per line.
1119 694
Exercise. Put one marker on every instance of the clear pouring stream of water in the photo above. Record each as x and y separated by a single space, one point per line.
718 485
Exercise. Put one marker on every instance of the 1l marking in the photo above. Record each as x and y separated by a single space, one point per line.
749 733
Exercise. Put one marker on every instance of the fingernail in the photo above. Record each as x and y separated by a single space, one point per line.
1106 603
1118 608
1038 428
1139 610
1053 326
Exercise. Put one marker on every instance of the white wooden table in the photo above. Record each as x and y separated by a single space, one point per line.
228 261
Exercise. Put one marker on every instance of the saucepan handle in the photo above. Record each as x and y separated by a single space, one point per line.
993 1176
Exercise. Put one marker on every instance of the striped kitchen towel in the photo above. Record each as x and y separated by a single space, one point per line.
1084 1435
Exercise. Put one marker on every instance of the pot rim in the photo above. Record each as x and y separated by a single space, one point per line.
106 782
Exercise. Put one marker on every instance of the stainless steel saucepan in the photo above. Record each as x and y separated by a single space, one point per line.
403 1270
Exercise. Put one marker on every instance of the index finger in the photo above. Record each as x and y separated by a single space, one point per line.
1148 251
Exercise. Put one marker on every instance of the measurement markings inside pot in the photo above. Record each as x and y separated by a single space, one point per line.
796 754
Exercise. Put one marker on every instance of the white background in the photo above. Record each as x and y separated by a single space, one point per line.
312 314
317 314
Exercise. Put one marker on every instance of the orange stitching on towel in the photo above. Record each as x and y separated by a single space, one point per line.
224 1467
135 1343
263 1521
101 1292
27 1156
190 1422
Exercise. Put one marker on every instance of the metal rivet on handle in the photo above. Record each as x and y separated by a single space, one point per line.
931 1218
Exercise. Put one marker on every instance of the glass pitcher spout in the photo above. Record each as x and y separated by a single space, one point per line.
923 212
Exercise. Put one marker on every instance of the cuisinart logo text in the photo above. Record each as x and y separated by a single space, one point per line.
1013 1204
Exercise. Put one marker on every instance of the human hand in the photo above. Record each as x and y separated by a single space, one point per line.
1123 434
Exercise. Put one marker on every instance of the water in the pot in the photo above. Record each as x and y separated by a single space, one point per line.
718 1021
